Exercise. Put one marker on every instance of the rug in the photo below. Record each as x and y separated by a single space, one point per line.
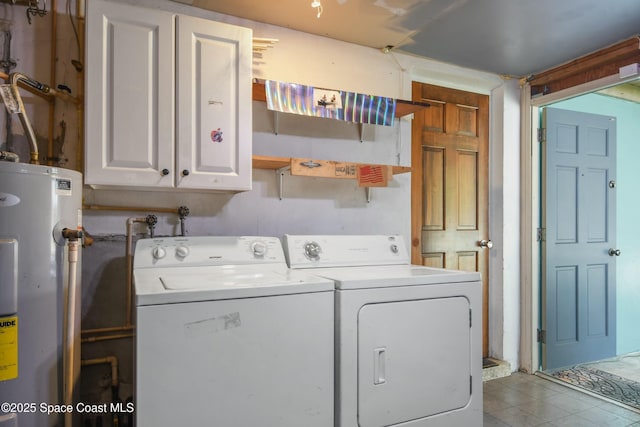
601 383
488 363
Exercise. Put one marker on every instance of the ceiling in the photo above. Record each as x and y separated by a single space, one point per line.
509 37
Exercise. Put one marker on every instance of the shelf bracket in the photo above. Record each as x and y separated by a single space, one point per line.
360 131
367 191
276 122
280 178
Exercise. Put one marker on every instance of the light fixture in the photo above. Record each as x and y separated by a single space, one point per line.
318 6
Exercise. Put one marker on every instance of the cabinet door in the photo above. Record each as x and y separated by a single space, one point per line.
129 96
214 105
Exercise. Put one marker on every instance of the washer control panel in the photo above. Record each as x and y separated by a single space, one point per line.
337 250
207 250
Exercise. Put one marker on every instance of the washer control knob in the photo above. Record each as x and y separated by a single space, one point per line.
259 248
312 251
182 251
394 248
158 252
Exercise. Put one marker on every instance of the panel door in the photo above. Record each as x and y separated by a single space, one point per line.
129 96
449 184
579 217
214 105
414 360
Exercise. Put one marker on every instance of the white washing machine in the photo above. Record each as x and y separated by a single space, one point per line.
408 338
228 336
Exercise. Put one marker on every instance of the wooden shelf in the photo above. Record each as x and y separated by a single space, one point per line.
403 107
270 162
317 168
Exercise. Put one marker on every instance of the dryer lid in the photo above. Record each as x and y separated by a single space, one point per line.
392 276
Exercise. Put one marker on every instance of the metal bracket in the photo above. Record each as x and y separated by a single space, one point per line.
276 122
280 178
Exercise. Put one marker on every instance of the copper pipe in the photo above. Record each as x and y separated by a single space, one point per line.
109 360
5 77
52 79
129 257
44 95
105 330
106 338
80 16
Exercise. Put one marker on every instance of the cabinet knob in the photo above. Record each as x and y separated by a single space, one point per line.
185 172
165 172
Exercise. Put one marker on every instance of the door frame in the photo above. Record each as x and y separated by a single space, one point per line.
530 204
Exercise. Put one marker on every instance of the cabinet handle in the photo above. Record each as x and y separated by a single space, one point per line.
165 172
185 172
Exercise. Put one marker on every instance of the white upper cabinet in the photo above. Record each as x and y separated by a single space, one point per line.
214 104
168 100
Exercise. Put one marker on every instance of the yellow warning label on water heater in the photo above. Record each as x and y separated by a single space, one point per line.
8 348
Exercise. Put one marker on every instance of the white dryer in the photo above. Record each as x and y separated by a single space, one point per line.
228 336
408 338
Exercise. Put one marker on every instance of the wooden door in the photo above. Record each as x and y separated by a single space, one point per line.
579 217
449 196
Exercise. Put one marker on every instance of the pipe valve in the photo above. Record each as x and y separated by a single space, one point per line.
72 235
151 221
183 212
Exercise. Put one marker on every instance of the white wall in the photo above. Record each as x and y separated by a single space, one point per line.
504 211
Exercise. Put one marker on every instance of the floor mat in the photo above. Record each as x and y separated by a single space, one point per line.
488 363
601 383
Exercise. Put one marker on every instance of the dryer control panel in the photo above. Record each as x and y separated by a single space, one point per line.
311 251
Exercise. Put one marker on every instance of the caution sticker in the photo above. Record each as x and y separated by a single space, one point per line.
8 348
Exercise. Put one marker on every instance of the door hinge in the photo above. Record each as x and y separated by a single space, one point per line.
542 336
541 235
542 135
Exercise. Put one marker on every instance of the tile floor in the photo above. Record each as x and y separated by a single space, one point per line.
522 400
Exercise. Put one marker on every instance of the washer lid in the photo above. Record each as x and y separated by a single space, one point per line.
392 275
190 284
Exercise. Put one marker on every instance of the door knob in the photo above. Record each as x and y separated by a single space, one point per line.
485 244
165 172
614 252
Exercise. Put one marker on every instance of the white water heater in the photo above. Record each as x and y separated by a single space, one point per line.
36 203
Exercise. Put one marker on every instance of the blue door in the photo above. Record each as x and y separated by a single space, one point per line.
578 244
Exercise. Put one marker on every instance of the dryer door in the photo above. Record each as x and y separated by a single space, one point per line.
414 360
